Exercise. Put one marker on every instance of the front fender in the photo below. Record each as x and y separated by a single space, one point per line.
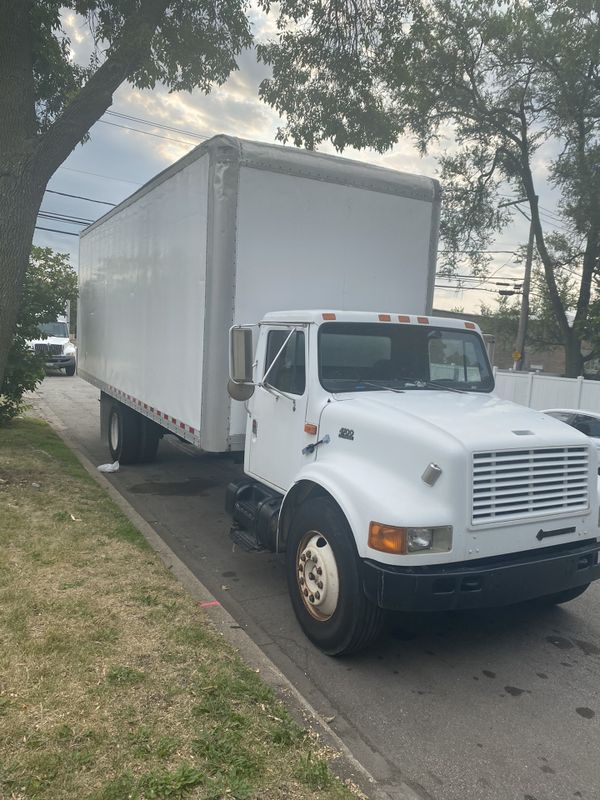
373 495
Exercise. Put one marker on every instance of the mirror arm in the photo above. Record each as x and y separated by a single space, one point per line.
279 352
277 392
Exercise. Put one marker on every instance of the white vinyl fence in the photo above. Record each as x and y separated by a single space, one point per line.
542 391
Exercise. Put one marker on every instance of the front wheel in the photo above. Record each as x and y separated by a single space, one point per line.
324 581
70 370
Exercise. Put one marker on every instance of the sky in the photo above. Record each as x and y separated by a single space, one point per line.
122 154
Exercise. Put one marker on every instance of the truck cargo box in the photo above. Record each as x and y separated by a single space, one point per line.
234 230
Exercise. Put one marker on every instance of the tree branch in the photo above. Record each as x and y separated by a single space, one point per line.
96 96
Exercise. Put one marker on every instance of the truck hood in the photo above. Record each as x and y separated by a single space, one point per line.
476 421
50 340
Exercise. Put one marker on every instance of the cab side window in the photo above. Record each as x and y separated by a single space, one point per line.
289 371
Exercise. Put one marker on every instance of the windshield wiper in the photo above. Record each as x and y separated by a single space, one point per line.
379 386
433 385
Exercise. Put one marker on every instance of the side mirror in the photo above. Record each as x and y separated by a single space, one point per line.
240 386
240 391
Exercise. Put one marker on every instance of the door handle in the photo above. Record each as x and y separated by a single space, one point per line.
310 448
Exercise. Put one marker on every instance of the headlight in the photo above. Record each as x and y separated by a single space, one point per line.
404 541
69 350
419 539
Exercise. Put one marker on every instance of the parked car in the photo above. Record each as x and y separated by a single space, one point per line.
59 350
587 422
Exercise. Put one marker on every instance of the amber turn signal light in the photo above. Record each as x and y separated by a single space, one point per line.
310 428
387 538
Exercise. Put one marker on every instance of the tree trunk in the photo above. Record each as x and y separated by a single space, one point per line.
20 199
573 356
27 159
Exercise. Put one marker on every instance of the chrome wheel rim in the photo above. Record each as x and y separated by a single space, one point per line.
317 576
114 432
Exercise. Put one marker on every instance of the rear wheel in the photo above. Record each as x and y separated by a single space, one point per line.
150 436
124 434
324 580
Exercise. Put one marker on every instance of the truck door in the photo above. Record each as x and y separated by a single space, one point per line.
278 409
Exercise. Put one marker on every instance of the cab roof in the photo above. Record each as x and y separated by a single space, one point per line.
319 316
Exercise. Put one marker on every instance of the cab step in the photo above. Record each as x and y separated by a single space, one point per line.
244 540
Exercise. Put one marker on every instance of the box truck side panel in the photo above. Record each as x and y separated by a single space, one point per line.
306 243
315 243
142 284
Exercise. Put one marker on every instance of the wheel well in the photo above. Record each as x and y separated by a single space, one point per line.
300 492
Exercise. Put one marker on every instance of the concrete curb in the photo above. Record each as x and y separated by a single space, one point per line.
346 766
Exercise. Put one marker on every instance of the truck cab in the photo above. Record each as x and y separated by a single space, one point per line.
379 459
55 346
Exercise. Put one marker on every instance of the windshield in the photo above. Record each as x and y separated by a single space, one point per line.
362 356
58 329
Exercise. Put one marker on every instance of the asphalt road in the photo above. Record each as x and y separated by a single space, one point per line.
497 705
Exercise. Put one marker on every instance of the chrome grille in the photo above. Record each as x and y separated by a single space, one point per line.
52 349
516 484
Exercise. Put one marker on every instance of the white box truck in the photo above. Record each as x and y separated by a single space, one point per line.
376 455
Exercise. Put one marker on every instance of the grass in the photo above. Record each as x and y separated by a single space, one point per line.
113 686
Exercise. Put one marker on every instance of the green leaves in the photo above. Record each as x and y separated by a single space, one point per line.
493 80
195 44
50 283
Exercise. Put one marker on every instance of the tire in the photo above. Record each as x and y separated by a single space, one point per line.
70 371
124 434
565 596
150 436
340 619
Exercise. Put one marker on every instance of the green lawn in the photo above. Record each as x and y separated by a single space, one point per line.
113 686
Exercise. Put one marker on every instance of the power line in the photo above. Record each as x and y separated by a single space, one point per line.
146 133
80 197
156 124
482 278
55 230
98 175
477 250
64 218
469 288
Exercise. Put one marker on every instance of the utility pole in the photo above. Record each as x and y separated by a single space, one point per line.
519 354
519 351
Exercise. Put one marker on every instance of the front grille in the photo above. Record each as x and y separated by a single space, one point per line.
516 484
51 349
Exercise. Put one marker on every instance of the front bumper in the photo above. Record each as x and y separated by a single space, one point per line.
484 583
60 362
